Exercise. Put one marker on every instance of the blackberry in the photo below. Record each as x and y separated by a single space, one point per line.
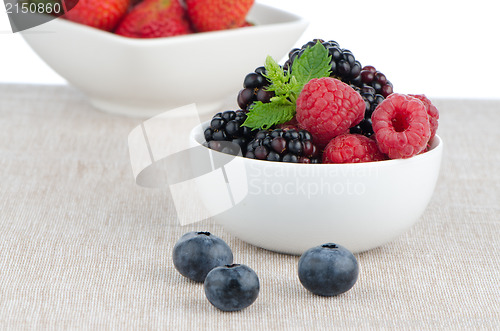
227 126
372 100
344 65
370 76
280 145
254 89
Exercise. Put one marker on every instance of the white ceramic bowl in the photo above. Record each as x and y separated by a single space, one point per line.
290 208
143 77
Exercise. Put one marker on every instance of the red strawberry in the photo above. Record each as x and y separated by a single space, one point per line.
212 15
155 19
246 24
103 15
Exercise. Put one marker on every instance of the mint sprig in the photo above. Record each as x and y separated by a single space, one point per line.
264 115
313 63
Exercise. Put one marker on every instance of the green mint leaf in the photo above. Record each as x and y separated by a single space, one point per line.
295 88
265 115
273 70
278 77
313 63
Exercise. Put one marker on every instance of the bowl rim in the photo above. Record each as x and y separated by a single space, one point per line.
436 147
292 20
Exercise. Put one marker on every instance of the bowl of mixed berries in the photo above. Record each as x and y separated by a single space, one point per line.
322 150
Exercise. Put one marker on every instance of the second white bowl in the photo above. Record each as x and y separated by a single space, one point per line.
143 77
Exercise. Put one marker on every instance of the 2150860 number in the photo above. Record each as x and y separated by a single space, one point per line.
33 8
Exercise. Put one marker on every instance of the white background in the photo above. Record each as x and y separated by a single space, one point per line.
437 47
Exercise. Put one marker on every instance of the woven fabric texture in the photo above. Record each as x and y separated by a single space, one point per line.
83 247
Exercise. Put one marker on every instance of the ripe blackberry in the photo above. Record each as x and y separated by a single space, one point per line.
344 65
346 68
227 126
370 76
372 100
283 146
254 89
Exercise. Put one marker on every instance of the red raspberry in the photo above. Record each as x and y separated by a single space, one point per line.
432 112
401 126
352 148
327 107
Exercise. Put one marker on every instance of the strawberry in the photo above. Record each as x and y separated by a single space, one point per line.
212 15
155 19
103 15
246 24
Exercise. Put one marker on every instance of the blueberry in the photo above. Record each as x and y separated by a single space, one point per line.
328 270
196 253
232 287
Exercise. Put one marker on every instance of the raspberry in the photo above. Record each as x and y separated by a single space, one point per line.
401 126
327 107
352 148
432 112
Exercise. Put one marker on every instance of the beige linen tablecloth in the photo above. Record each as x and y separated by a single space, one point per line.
82 246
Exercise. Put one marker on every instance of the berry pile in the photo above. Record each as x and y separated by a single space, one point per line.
323 106
373 85
281 145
